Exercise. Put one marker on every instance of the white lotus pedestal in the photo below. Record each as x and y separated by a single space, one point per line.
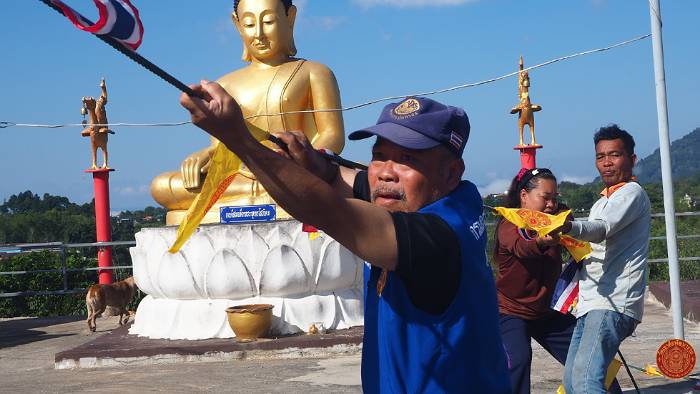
307 280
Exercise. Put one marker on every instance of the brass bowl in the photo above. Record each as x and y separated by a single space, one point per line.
250 322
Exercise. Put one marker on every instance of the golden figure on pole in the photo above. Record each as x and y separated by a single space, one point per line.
525 109
97 129
274 82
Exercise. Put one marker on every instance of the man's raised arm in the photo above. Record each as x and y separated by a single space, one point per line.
300 150
365 229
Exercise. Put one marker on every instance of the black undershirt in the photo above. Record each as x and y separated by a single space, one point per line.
428 255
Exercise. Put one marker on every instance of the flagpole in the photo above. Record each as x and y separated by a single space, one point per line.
666 172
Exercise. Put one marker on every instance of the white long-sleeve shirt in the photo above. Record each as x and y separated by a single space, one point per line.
613 277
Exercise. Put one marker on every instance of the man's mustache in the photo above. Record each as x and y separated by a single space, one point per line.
386 191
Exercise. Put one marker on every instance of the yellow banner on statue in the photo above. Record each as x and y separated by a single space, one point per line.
223 169
544 224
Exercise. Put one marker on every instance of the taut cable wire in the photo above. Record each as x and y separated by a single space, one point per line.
352 107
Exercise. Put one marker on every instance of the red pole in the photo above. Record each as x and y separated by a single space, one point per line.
528 154
100 179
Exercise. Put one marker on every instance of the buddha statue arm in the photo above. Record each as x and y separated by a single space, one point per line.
325 94
365 229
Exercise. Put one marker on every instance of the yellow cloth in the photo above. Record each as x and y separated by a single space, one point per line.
537 221
652 371
613 368
315 235
544 224
224 167
579 250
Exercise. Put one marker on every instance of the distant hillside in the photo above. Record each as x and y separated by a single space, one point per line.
685 160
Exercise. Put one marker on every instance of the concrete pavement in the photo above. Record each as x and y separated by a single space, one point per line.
28 346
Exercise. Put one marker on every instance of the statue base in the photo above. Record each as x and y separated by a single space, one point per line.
528 155
309 278
174 217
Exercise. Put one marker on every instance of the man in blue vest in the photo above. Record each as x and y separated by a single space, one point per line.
431 320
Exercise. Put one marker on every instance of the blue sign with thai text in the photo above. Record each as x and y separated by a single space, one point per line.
252 213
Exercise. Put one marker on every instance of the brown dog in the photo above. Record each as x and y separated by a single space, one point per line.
116 296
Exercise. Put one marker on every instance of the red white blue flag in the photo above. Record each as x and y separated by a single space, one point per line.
566 290
119 19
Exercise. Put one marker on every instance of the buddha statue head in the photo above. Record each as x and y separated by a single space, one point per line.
266 28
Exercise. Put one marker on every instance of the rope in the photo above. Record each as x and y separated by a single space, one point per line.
57 126
350 108
459 87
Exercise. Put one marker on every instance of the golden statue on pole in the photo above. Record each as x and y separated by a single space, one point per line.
525 109
97 129
274 82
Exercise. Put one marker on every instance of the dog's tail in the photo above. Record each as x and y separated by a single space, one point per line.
93 300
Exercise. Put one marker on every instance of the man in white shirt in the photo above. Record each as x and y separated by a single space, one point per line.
612 280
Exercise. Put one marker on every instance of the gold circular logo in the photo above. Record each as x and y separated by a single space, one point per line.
535 219
675 358
408 107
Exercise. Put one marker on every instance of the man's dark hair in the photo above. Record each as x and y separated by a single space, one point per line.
614 132
287 4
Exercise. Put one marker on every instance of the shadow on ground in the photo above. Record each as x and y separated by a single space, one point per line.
17 332
681 387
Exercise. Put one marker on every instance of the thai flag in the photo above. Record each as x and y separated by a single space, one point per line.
119 19
566 291
456 140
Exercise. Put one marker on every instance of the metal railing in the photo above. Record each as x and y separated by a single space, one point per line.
61 248
678 237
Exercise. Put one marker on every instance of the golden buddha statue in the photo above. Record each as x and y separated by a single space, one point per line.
274 82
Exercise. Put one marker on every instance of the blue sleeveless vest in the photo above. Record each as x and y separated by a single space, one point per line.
407 350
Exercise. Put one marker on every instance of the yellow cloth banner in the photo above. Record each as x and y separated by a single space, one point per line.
579 250
652 371
224 167
610 375
544 224
613 368
537 221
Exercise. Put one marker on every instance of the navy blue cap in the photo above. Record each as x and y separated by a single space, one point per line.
420 123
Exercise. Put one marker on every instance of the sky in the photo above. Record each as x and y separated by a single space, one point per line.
376 48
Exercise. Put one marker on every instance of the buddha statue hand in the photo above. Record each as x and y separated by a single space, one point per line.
194 169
